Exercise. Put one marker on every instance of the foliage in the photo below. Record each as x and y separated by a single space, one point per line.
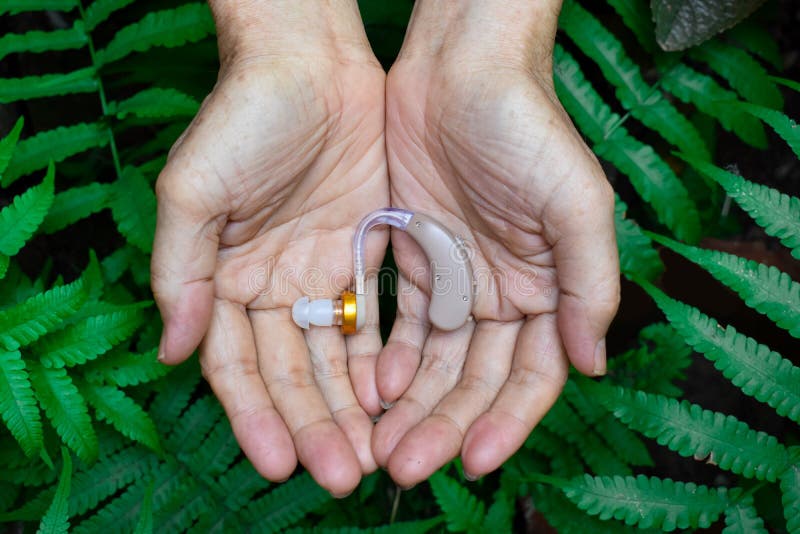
143 448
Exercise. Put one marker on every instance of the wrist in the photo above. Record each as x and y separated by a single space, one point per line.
280 29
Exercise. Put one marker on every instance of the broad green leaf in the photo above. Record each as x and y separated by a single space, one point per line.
38 41
133 205
90 337
649 502
75 204
762 287
113 406
783 125
9 143
54 145
99 11
30 87
742 72
778 214
742 518
66 409
696 433
56 520
18 6
20 219
17 403
637 257
169 28
652 178
462 510
684 23
156 103
285 505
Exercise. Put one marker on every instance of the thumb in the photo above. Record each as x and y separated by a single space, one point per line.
184 260
579 223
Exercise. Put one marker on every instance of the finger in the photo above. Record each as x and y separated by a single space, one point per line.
538 373
363 348
399 359
184 259
579 222
329 361
438 438
228 360
285 366
442 360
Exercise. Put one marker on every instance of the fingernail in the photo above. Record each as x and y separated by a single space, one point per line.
471 478
341 496
161 352
407 488
600 358
386 405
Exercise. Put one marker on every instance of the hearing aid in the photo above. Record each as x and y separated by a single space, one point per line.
452 286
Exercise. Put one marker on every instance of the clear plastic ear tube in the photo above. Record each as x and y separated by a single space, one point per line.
399 218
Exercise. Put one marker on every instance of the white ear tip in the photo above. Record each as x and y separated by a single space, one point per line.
300 312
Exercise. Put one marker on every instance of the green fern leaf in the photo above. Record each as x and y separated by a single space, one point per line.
652 178
8 143
90 337
693 432
18 6
645 103
17 403
38 41
196 422
56 520
637 257
156 103
133 205
400 527
285 505
54 145
168 406
24 323
564 516
500 514
99 11
649 502
742 518
238 485
791 84
182 507
708 96
123 368
762 287
9 493
783 125
20 219
742 72
30 87
758 41
145 524
112 405
66 409
217 452
777 213
463 511
790 493
169 28
75 204
636 16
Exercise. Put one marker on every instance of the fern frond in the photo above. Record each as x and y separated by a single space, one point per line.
112 405
123 368
764 288
188 434
791 84
790 493
156 103
99 11
285 505
8 143
53 145
238 484
56 519
17 403
500 514
170 403
122 512
693 432
420 526
169 28
777 213
218 451
9 493
652 178
742 518
742 72
38 41
30 87
24 323
711 98
75 204
637 257
564 516
20 219
133 205
13 7
90 337
66 409
649 502
758 41
783 125
182 507
462 510
636 16
145 524
645 103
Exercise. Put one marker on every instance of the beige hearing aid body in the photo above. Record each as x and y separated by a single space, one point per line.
452 285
